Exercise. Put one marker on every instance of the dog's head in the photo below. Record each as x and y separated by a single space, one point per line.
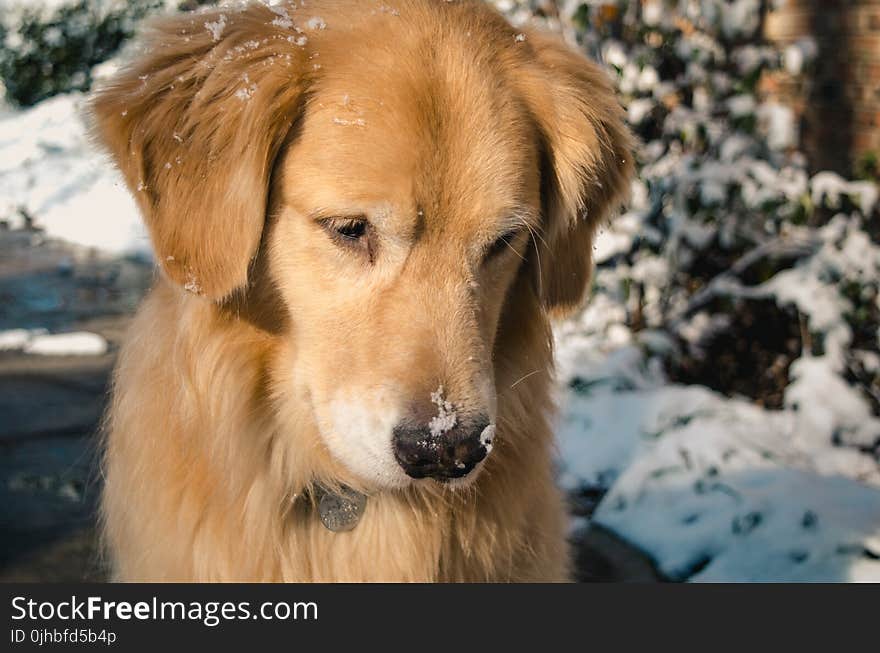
399 173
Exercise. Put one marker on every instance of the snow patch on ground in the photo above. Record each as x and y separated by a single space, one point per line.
14 339
716 488
40 342
51 173
719 489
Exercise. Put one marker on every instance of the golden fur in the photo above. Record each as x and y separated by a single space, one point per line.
445 129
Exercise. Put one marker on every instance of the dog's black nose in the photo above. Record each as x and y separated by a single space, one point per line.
423 453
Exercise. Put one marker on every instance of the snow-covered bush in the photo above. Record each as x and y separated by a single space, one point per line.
50 46
728 239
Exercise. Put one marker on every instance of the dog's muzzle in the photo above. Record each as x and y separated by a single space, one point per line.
442 456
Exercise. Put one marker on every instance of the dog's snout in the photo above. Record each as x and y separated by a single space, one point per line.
454 453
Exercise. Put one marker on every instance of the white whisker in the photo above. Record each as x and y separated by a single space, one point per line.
523 378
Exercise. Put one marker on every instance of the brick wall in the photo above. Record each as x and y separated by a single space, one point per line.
838 101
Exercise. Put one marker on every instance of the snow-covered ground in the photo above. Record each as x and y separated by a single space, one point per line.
39 341
715 488
51 173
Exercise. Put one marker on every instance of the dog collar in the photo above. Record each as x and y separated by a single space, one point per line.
340 511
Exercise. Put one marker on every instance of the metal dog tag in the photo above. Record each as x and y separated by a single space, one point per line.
341 512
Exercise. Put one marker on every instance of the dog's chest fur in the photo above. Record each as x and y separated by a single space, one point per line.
215 461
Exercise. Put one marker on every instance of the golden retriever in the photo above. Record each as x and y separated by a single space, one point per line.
365 214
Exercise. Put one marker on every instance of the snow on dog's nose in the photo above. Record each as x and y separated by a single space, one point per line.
424 452
446 447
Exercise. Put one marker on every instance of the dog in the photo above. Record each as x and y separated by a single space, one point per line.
365 216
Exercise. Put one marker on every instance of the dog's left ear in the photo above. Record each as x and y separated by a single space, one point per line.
195 124
588 163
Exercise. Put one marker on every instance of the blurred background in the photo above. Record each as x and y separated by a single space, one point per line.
720 395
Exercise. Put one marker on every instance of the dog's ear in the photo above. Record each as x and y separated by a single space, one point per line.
587 167
195 124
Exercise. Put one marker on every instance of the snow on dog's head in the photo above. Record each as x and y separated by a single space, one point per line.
399 196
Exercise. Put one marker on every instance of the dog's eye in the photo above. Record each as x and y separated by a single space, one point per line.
346 231
503 244
350 229
350 232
